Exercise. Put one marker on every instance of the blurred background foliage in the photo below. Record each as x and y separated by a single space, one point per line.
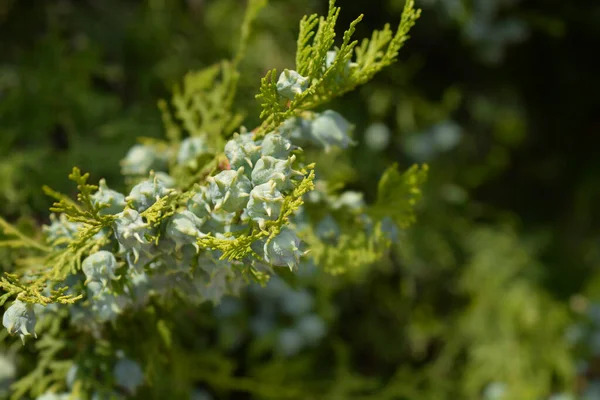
490 295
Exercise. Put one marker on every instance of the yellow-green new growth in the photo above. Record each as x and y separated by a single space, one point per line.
398 193
203 107
316 39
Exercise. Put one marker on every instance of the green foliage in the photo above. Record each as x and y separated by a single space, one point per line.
491 290
47 372
203 102
353 251
397 194
86 211
16 239
31 292
316 38
525 322
202 107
